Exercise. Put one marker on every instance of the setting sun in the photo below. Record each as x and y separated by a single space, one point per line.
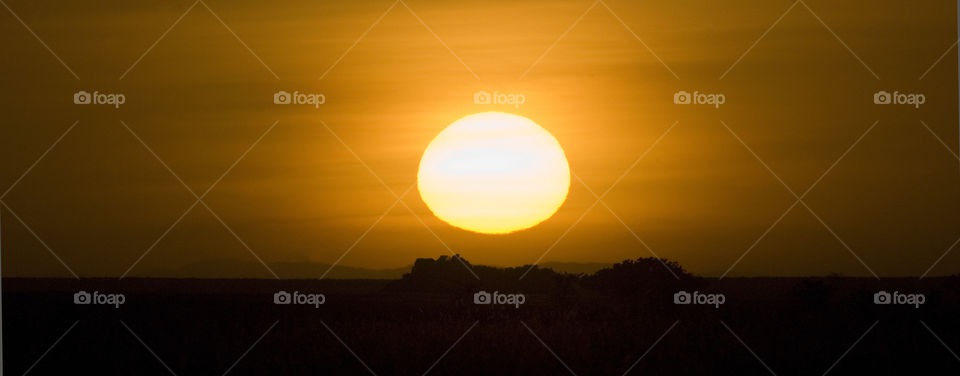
494 173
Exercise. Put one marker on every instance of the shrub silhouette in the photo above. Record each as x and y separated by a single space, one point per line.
456 274
445 274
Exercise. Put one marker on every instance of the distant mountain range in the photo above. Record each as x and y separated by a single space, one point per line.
295 270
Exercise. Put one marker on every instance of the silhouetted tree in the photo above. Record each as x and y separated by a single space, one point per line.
457 275
445 274
647 282
636 276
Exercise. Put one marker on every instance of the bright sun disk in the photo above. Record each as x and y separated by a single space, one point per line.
494 173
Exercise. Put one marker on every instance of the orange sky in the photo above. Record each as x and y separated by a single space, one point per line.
798 98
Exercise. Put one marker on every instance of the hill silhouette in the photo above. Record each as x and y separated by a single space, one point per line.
648 277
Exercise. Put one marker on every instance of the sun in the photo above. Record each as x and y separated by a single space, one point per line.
494 173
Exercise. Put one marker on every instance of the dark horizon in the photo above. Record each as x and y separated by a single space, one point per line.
315 270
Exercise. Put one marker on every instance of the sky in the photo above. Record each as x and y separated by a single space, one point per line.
712 187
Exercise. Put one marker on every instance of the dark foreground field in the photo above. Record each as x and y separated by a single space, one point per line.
783 326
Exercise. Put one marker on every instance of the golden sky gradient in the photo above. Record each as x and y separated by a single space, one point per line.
202 95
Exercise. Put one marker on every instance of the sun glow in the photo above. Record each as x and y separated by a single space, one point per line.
494 173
